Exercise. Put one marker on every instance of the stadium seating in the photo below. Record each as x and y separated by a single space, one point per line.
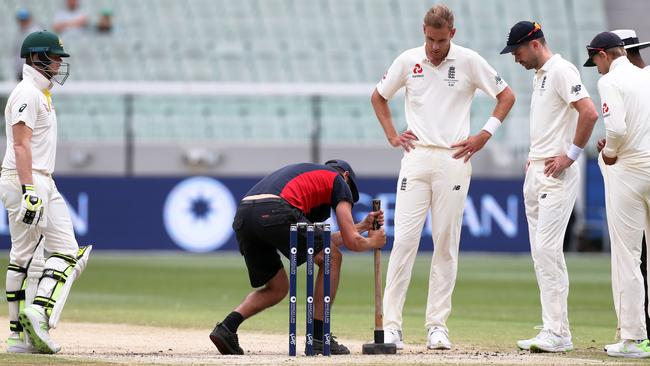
287 41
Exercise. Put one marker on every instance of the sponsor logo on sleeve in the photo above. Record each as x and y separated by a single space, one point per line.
22 108
576 89
498 80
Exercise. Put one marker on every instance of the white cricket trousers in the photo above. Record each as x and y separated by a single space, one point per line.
627 201
57 229
549 202
429 179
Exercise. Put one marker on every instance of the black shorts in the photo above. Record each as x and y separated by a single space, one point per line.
262 229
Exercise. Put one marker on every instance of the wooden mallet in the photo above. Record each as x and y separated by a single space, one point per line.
378 347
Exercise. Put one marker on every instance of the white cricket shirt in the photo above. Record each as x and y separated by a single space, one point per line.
553 119
28 103
625 96
438 98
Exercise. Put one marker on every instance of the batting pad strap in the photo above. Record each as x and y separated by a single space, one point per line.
46 302
15 326
71 260
16 268
56 275
15 295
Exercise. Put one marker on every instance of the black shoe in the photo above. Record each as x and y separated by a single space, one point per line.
226 341
335 347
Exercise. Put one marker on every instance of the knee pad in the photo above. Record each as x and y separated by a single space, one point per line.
58 276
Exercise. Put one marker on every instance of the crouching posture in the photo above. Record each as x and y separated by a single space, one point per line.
45 258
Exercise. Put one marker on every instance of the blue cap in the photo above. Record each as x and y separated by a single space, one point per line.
521 33
352 178
22 14
602 42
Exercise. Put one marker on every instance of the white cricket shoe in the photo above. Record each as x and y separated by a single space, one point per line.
36 327
525 343
16 344
438 338
394 336
629 348
547 341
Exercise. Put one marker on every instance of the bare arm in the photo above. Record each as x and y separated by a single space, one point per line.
349 234
382 111
505 101
587 117
23 151
468 147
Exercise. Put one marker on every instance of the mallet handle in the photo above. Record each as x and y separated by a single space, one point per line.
379 318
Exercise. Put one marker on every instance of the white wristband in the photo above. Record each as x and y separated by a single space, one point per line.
574 152
491 125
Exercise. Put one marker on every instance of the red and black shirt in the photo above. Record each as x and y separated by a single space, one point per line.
312 188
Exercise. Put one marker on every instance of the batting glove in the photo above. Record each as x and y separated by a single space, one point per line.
31 206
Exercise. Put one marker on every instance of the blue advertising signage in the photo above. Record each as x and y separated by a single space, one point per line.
195 213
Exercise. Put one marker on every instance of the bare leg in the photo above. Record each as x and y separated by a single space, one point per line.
272 293
335 273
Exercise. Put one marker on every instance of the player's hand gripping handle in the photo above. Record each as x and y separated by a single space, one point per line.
31 206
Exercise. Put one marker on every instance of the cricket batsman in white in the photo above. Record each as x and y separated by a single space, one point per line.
45 258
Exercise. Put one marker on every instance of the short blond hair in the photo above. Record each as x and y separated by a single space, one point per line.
439 16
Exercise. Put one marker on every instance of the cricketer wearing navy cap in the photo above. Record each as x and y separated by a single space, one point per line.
522 32
601 43
562 117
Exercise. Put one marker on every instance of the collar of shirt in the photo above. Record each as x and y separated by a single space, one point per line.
618 62
549 63
451 55
32 75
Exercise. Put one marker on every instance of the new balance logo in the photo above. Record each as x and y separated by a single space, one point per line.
456 188
403 185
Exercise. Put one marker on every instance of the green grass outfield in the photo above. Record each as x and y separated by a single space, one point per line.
496 300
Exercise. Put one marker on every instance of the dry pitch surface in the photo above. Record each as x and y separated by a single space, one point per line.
133 345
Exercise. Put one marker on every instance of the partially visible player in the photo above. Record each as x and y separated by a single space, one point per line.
39 221
295 193
440 79
625 164
562 117
632 48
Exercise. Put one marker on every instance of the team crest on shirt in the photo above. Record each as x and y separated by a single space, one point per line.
451 76
418 72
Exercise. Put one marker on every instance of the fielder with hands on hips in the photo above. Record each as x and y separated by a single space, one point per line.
562 117
625 164
440 79
296 193
39 221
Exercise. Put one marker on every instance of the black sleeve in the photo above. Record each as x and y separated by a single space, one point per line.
340 192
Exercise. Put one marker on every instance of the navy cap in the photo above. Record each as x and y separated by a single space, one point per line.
352 178
22 14
522 32
602 42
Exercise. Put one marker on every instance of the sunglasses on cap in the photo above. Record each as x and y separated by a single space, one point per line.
536 28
